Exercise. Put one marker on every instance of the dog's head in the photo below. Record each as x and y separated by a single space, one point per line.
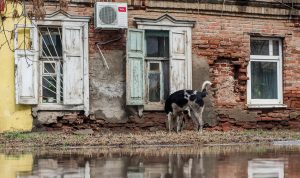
197 96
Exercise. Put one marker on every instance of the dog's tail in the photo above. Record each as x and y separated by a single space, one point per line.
205 85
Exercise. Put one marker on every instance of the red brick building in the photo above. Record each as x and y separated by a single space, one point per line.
249 49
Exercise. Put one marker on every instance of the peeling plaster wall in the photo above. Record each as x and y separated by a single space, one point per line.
13 117
107 86
200 74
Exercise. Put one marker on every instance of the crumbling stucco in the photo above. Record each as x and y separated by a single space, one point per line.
107 86
47 117
200 74
239 114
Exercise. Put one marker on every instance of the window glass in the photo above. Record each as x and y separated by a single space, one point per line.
49 89
154 66
259 47
49 68
24 39
154 87
275 48
264 80
51 42
157 43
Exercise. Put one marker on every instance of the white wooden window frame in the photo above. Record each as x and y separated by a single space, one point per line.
148 62
49 59
167 25
58 76
58 19
266 58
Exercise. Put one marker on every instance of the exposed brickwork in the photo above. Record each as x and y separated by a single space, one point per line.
224 42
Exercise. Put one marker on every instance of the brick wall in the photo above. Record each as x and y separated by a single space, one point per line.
223 41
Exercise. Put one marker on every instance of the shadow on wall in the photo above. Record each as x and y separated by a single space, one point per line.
200 74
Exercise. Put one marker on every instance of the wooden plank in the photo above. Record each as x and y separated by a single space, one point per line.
73 65
135 67
178 69
26 73
26 80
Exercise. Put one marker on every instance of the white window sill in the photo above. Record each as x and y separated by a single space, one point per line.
253 106
58 107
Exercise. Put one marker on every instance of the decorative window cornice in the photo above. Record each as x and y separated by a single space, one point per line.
164 20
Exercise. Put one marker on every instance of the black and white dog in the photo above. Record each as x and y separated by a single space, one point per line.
184 104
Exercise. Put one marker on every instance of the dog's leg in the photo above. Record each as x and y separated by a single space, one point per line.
194 118
177 114
185 118
178 123
169 122
182 124
200 120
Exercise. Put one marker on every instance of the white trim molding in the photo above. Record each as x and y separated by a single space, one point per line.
172 25
270 57
62 18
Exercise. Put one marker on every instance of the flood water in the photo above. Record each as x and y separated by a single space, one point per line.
246 161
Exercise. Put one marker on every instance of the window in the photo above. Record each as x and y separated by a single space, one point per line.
157 62
52 70
51 58
265 71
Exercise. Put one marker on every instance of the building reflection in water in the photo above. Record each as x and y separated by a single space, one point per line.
266 168
167 166
12 165
153 164
52 168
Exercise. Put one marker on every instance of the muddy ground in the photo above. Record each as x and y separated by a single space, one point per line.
123 138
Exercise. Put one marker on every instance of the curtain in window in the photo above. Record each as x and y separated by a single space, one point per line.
264 80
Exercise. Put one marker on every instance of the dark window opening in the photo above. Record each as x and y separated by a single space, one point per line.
157 43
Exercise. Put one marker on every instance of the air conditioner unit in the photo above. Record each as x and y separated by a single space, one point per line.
111 15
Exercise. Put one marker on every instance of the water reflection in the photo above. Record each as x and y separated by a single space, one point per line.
266 168
12 165
207 162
